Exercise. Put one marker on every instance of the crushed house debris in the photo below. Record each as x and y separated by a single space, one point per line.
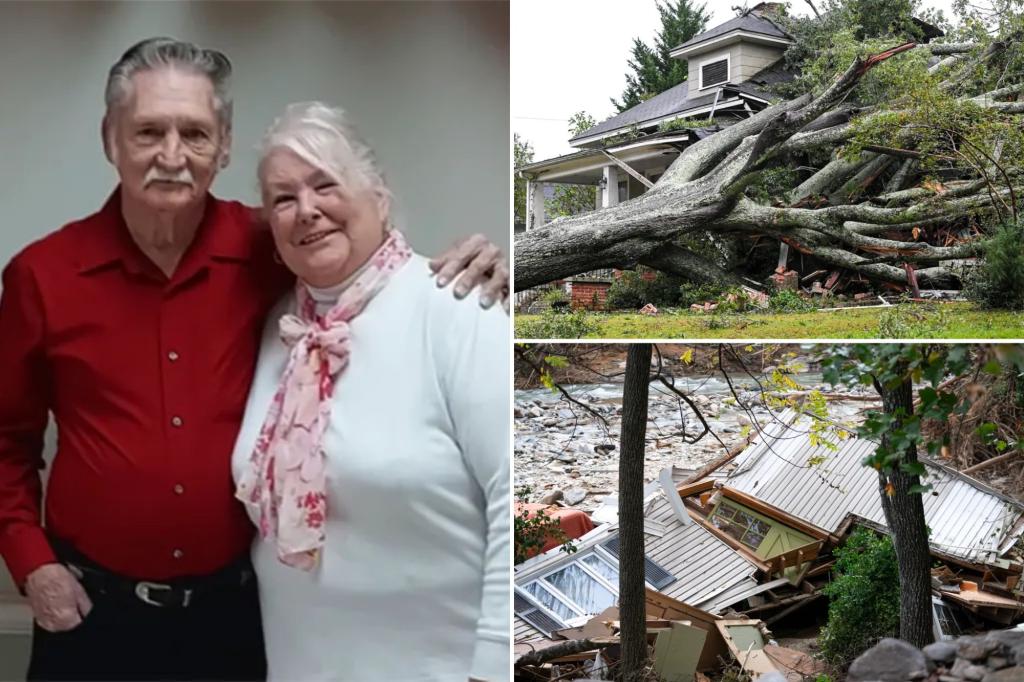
738 548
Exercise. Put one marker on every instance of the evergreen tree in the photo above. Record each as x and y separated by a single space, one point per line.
653 70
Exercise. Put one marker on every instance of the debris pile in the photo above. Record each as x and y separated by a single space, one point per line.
746 541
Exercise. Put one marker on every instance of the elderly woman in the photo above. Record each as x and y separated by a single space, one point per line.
373 455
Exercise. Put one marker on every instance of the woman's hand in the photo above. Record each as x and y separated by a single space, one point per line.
476 262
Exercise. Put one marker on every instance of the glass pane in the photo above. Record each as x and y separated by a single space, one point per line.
752 539
575 584
549 600
602 568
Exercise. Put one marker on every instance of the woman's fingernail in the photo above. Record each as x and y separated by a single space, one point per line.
486 301
460 291
442 281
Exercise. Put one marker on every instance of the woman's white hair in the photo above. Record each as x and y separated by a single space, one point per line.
323 137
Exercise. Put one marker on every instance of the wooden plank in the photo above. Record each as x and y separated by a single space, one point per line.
629 169
677 652
692 489
777 514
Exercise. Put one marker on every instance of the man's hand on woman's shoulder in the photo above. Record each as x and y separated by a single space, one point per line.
475 261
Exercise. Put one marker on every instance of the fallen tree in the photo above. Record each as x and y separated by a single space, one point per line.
875 209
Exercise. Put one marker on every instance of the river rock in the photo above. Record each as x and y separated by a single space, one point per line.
552 497
891 660
941 652
574 496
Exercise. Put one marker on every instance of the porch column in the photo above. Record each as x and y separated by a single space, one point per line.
610 195
534 204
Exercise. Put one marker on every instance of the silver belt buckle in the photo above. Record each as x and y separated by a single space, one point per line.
143 588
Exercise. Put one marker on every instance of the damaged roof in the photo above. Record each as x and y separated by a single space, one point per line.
709 574
967 519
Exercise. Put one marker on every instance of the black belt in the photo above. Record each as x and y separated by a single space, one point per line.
176 593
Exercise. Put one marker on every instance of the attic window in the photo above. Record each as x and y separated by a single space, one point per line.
713 73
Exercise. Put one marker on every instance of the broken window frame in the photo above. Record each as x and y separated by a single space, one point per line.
740 528
582 614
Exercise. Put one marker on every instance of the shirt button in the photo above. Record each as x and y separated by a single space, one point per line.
172 356
179 489
177 421
177 554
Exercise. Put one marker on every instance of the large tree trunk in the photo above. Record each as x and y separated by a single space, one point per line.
703 192
904 515
632 607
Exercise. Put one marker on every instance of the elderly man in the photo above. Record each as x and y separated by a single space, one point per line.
138 328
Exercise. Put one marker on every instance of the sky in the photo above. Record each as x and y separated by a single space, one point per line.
571 55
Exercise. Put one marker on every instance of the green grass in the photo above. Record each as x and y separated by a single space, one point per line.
908 321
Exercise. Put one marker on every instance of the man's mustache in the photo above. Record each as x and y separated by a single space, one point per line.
154 174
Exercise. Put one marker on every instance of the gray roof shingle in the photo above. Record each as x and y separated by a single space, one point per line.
747 22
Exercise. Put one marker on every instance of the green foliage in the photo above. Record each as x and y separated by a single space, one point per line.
887 367
569 200
864 597
555 297
556 325
998 281
773 185
785 300
913 321
632 291
685 124
653 70
966 321
820 42
532 532
522 154
690 293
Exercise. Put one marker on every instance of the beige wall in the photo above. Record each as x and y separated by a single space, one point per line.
746 59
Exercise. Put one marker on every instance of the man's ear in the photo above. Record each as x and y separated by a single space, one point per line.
225 150
106 132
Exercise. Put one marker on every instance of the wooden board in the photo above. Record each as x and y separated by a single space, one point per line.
677 652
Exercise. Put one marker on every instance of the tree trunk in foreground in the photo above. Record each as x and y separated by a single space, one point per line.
904 515
632 599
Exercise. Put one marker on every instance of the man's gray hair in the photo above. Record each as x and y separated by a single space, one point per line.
154 53
323 136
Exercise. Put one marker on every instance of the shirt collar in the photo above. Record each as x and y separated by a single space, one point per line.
226 232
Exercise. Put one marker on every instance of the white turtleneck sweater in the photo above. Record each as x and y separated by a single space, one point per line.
413 583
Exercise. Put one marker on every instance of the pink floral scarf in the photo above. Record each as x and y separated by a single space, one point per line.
287 480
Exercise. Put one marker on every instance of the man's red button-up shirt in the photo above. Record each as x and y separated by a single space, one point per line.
146 378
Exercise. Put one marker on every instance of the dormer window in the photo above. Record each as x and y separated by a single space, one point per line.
714 71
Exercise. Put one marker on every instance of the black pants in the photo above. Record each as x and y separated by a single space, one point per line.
219 637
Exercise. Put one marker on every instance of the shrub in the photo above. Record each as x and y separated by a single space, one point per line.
631 291
864 597
555 297
690 293
532 532
787 301
998 281
558 325
913 321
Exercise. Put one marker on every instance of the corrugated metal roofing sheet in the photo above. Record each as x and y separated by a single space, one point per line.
708 571
967 520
